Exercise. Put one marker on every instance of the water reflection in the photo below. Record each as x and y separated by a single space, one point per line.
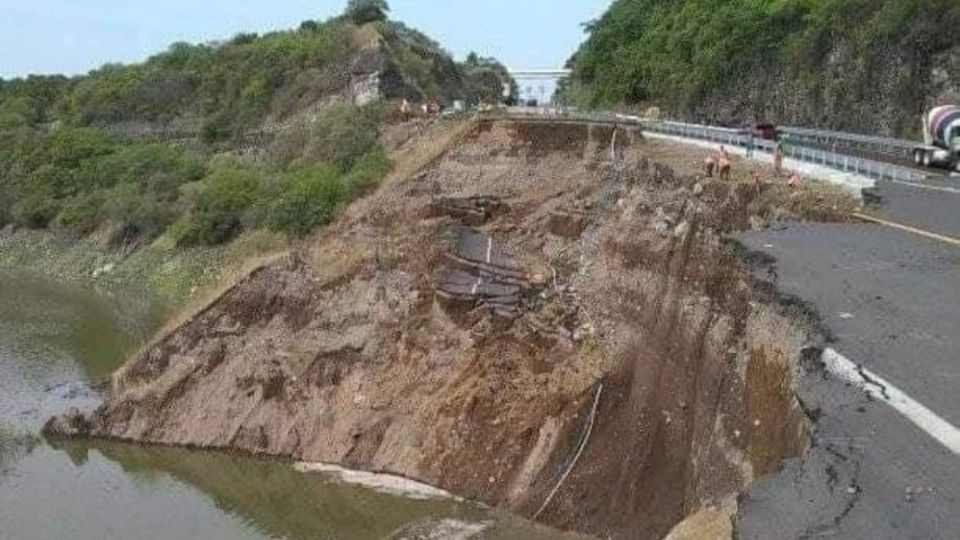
272 497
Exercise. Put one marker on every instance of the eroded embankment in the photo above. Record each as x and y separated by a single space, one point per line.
454 327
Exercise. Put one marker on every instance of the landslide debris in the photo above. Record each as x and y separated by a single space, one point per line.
454 328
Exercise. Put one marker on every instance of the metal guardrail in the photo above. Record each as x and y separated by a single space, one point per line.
823 135
867 144
877 170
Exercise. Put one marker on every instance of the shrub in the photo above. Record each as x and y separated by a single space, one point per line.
367 173
82 213
309 26
8 198
36 210
39 201
160 168
134 214
217 127
14 113
365 11
342 134
221 207
304 199
69 146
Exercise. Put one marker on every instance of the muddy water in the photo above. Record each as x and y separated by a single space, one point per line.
55 344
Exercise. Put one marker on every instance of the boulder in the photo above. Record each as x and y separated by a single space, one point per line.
567 224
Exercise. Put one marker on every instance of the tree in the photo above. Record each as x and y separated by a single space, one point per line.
309 26
365 11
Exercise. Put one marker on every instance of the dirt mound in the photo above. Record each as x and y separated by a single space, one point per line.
455 326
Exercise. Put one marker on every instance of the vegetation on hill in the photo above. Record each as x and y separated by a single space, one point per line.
677 53
226 86
61 169
80 180
365 11
233 86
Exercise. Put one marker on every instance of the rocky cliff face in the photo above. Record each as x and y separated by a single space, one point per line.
871 66
884 93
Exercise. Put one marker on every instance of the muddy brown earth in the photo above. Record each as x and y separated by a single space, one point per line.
456 327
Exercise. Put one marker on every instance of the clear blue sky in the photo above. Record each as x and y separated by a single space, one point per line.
74 36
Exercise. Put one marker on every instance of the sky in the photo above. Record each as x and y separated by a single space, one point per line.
75 36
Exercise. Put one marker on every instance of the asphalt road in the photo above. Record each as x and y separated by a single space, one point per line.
934 207
891 300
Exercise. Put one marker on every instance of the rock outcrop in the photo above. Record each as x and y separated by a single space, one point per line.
885 93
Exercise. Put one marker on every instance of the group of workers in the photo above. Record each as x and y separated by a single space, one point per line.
720 163
427 108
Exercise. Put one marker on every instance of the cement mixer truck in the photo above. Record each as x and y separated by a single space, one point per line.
941 139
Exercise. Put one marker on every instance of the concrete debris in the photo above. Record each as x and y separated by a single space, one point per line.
473 211
479 274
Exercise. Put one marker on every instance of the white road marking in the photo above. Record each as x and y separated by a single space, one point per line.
944 189
944 432
476 286
907 228
489 248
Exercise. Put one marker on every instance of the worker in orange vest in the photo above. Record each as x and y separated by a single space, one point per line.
723 164
710 164
794 181
778 153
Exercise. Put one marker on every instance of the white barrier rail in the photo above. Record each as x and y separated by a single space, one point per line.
866 167
838 140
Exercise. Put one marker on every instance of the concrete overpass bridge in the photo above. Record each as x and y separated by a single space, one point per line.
538 83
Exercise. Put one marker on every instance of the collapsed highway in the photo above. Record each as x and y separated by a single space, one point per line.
883 462
566 319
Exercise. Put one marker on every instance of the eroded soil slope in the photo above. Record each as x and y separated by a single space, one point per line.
455 327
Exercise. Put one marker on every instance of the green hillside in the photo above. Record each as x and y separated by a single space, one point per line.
694 57
73 158
236 84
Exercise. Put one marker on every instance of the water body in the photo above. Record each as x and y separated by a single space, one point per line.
56 345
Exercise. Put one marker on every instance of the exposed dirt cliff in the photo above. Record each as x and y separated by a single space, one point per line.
457 326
